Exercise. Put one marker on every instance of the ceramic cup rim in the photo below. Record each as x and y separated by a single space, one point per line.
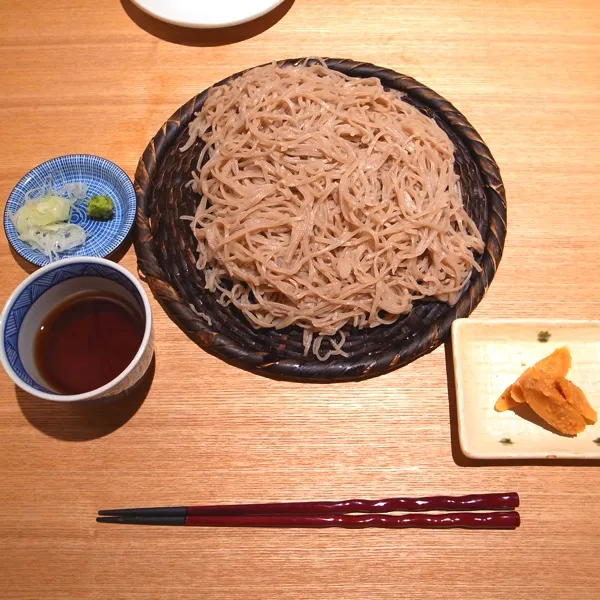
95 393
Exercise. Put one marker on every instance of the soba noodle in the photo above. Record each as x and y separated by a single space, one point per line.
326 201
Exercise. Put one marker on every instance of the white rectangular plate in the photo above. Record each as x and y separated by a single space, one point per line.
489 355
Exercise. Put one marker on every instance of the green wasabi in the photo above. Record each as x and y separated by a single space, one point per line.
100 208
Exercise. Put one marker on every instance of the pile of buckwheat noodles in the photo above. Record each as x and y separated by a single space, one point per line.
325 201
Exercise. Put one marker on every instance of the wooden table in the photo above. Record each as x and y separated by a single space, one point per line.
101 77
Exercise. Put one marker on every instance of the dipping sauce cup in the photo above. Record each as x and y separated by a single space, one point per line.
43 292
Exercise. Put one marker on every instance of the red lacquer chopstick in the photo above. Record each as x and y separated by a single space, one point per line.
465 520
505 501
334 514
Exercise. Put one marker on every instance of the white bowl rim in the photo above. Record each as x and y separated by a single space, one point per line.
98 392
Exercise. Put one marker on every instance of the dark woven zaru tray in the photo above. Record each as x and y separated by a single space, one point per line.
165 248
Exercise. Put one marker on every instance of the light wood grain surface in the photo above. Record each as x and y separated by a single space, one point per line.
98 76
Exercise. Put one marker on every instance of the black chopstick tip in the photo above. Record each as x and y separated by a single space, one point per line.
116 512
142 520
104 520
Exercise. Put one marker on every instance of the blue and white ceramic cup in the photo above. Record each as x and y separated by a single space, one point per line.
45 289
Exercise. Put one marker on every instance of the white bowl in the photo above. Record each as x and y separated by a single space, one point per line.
207 13
43 290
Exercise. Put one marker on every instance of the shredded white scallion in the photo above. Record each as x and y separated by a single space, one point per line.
43 222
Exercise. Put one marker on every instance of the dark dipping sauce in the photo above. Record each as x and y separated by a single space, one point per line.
87 341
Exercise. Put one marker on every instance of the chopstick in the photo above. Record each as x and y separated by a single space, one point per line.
334 514
464 520
505 501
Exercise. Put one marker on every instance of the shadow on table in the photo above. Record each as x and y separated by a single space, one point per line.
121 250
221 36
81 421
28 267
464 461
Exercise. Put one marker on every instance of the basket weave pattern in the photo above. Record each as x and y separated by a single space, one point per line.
165 248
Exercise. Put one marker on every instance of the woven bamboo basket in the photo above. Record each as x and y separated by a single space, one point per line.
165 248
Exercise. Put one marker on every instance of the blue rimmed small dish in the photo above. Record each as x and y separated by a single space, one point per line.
101 177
